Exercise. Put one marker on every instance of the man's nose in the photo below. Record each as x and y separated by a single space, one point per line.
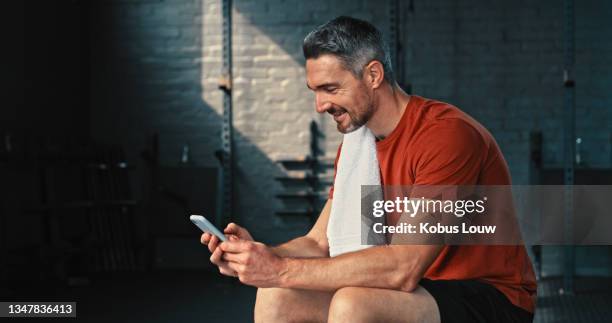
321 104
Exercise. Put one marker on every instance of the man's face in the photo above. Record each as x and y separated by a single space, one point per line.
339 93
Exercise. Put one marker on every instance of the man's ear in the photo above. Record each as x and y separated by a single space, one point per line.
375 73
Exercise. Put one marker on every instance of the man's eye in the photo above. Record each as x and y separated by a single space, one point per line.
331 89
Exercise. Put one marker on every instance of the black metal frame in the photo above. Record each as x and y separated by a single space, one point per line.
225 84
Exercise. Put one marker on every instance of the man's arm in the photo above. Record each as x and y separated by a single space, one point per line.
305 263
313 244
397 267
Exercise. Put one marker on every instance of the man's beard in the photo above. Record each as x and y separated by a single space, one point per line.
356 120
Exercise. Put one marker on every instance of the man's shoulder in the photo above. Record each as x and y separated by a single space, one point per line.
452 130
444 121
449 135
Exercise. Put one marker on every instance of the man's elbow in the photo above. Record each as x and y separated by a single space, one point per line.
405 282
406 276
324 247
320 246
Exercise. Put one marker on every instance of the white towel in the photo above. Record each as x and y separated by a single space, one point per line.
357 166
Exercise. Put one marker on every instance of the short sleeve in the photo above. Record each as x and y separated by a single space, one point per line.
450 152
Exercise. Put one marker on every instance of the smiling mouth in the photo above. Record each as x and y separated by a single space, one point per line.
336 112
338 115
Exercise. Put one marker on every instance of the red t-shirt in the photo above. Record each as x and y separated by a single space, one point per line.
437 144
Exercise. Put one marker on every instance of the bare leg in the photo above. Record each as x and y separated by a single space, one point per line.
291 305
360 304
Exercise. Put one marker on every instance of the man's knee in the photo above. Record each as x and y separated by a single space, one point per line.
291 305
350 304
357 304
271 305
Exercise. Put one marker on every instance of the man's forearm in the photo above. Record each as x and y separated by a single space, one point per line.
302 247
390 267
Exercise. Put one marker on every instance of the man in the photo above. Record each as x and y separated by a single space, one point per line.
419 142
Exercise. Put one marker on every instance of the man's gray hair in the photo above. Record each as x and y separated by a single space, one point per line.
355 42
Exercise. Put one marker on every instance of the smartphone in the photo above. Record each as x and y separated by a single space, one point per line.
206 226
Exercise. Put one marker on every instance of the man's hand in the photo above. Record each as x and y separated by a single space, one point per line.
233 232
254 263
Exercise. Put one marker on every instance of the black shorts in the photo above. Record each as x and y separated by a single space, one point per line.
473 301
